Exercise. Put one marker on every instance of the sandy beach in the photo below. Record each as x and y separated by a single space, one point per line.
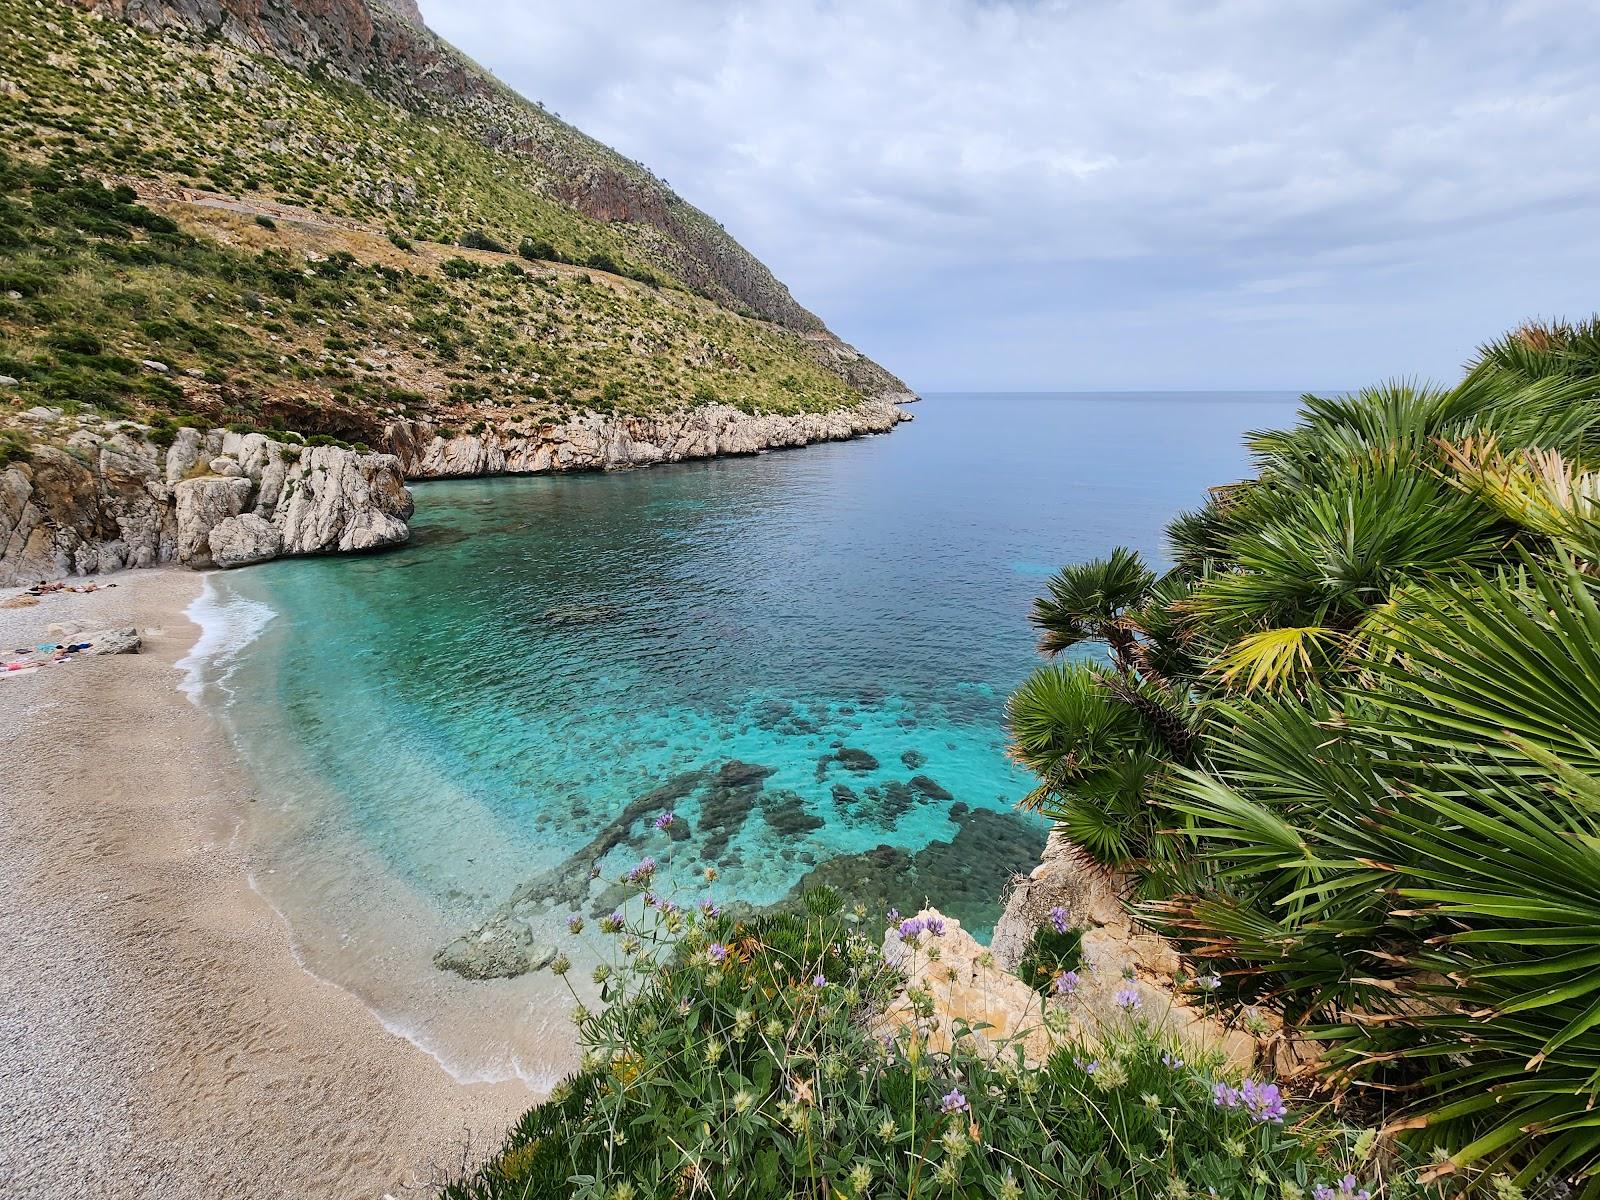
158 1037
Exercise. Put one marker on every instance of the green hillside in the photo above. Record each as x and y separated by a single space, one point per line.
362 228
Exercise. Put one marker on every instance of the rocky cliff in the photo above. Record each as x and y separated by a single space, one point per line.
597 442
107 498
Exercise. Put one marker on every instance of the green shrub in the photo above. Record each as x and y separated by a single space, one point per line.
401 242
477 239
536 249
265 221
747 1057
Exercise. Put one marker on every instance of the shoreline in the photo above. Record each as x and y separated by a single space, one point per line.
167 1040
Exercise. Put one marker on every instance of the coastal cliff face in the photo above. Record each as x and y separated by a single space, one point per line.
597 442
110 499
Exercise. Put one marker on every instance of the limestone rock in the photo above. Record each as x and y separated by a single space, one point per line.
499 949
594 442
202 505
247 538
112 641
1118 954
226 467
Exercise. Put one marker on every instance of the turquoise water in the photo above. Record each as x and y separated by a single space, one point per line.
468 712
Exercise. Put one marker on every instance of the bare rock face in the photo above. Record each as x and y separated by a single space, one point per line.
594 442
1126 968
216 499
242 540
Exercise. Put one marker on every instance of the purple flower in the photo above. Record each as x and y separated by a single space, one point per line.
574 924
1066 983
642 872
910 927
819 980
717 953
666 907
893 916
1087 1066
664 821
1264 1102
934 925
1209 983
1127 999
1172 1062
954 1102
1347 1190
1224 1096
1058 918
708 908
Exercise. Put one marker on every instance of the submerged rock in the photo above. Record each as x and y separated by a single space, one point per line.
929 790
913 759
501 948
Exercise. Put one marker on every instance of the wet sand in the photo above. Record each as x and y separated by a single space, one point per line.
157 1036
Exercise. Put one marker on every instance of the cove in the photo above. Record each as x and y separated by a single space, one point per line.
804 655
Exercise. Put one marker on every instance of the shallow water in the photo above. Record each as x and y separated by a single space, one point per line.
433 726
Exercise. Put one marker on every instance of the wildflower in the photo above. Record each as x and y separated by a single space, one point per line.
1058 918
1264 1101
1172 1062
1151 1100
910 928
1177 1189
1259 1174
742 1020
664 821
934 925
1288 1189
819 980
859 1180
955 1143
574 924
631 945
623 1190
714 1050
1347 1189
1209 983
642 873
708 909
887 1129
893 916
773 1028
1087 1066
560 965
1233 1148
1066 983
1110 1075
743 1100
602 972
594 873
613 923
954 1102
580 1014
1504 1188
1009 1188
946 1173
1127 999
1224 1096
1363 1145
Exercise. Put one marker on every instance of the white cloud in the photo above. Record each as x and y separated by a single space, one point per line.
946 181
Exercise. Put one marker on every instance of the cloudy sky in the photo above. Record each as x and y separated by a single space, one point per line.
1089 194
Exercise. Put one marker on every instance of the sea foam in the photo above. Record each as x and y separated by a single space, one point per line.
228 623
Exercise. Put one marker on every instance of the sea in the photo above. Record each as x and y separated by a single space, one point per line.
803 656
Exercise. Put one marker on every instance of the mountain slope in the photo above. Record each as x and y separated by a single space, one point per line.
277 134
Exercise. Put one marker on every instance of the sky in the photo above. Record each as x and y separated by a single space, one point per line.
1094 194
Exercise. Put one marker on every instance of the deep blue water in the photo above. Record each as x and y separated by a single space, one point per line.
471 709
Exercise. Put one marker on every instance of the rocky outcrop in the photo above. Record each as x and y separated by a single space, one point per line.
1119 956
594 441
106 500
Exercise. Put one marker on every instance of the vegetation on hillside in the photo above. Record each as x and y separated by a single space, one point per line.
109 304
1348 748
